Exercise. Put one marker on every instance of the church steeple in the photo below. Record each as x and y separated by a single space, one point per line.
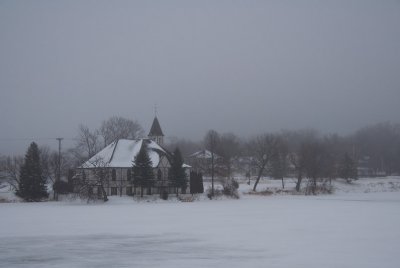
156 133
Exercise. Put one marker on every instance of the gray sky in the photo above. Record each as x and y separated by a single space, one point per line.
235 66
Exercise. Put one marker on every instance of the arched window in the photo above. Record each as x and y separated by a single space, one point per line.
114 175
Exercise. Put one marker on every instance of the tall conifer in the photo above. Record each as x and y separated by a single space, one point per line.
32 184
143 169
178 177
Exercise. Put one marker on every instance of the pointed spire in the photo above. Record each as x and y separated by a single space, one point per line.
155 129
156 133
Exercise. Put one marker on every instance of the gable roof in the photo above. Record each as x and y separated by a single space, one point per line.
203 154
122 153
155 129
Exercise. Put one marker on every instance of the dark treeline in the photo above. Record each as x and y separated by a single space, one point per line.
371 151
375 151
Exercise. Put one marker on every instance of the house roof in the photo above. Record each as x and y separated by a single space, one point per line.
122 153
203 154
155 129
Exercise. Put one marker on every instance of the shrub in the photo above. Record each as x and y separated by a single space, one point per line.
230 188
217 193
319 186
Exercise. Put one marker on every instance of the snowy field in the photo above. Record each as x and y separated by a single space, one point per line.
347 229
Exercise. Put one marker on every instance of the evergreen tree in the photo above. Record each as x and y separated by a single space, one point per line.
196 183
177 173
143 170
32 184
348 168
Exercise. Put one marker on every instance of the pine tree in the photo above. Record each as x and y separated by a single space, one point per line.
32 184
177 173
143 170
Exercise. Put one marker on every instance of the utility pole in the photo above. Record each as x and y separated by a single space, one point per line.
59 165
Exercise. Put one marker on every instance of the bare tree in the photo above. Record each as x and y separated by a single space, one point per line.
88 141
94 177
9 170
120 128
315 159
318 166
49 163
211 142
296 141
311 153
75 157
262 148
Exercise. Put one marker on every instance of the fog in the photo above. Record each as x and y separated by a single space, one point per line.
245 67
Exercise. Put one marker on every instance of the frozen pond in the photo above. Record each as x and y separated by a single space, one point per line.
117 251
345 230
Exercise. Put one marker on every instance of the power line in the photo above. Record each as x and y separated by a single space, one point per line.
33 139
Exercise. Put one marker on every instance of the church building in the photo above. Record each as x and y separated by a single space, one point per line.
111 168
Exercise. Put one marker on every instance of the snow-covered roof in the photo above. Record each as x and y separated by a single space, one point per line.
203 154
122 153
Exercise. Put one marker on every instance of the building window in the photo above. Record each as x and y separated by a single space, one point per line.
114 191
128 175
114 175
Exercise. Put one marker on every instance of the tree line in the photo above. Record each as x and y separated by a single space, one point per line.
31 184
299 153
306 154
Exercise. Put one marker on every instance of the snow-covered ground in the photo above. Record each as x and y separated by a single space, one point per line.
355 227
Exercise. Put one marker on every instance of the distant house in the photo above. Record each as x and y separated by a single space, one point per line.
367 168
200 161
116 160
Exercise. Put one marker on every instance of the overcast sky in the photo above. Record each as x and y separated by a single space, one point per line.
234 66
